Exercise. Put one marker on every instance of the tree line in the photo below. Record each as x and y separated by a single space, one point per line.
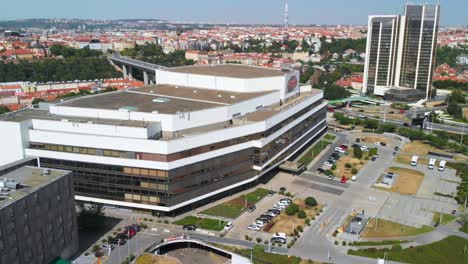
77 64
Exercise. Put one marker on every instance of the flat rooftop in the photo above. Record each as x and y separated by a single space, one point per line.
32 178
27 114
231 70
164 99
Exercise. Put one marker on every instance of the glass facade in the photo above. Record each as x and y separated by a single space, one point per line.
418 47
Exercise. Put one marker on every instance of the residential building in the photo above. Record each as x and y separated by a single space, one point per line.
401 53
37 214
200 133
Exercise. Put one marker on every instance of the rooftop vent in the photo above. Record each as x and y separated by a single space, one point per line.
161 100
46 172
220 96
194 91
9 183
233 96
151 91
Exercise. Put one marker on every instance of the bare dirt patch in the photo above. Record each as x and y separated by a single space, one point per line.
406 159
284 223
153 259
421 148
341 170
376 138
408 180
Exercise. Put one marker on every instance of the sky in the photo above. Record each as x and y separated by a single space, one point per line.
453 12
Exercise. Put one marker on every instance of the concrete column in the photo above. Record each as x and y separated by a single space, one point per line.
124 70
145 78
130 72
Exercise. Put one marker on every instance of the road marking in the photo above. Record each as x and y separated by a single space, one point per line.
167 230
154 229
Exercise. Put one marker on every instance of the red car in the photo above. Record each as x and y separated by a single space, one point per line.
343 179
344 147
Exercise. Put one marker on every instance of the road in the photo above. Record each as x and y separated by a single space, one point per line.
317 242
435 126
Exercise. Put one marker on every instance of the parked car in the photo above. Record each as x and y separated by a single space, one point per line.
107 247
383 144
287 200
271 214
374 157
396 148
320 170
117 241
377 144
271 193
344 147
330 177
394 153
189 227
264 219
276 211
266 216
228 226
135 227
280 235
279 207
260 223
335 155
364 148
343 179
254 227
278 240
406 124
252 208
328 163
354 178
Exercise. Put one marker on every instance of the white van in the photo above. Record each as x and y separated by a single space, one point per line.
414 160
431 164
442 165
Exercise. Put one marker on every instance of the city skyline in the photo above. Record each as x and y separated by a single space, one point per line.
240 12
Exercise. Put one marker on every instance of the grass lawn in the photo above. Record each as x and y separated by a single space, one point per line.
387 228
203 223
259 252
464 228
377 243
233 208
329 137
446 218
449 250
420 148
313 152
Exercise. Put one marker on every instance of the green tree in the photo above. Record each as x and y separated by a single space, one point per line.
37 101
357 152
310 201
292 209
4 109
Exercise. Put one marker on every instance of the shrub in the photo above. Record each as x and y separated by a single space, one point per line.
166 222
348 165
159 221
151 220
397 248
301 214
354 171
296 232
266 242
246 237
336 242
333 167
143 225
307 221
372 151
86 254
292 209
95 248
259 240
299 228
288 194
310 201
343 243
328 173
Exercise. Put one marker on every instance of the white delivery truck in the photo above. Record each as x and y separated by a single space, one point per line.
442 165
414 160
431 164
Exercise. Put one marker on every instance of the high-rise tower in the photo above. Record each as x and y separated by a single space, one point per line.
286 16
400 53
